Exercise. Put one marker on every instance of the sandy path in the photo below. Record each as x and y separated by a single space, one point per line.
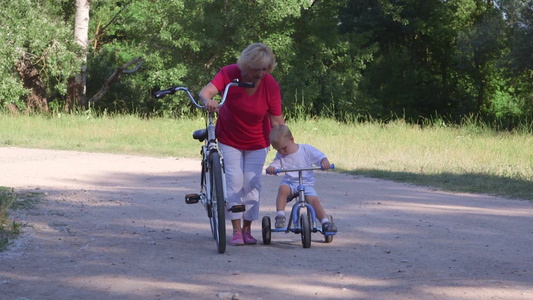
116 227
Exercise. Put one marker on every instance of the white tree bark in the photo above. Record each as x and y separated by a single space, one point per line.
81 35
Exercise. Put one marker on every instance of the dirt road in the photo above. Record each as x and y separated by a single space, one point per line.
117 227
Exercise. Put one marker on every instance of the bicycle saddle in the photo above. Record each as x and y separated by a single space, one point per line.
200 134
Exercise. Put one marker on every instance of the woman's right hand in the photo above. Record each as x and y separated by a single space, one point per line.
207 94
211 105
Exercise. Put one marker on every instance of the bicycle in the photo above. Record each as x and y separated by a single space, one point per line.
302 223
213 181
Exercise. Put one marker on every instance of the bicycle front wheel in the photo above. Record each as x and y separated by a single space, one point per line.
218 207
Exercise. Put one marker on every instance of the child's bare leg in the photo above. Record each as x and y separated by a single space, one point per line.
281 201
319 210
327 226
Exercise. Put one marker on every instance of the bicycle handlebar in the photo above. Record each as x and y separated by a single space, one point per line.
332 166
173 90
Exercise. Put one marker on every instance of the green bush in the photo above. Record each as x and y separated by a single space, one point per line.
32 30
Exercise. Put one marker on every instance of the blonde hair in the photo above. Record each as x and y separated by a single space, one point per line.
278 132
255 56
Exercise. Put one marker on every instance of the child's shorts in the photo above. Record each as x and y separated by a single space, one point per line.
309 190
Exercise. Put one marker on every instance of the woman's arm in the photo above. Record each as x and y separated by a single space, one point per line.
207 94
276 120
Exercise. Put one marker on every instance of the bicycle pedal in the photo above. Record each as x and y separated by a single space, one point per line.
237 208
192 198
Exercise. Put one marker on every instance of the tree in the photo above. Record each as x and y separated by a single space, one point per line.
479 48
38 55
78 84
324 67
409 72
518 60
342 58
182 43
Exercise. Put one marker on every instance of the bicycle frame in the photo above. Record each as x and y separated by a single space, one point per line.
210 146
213 180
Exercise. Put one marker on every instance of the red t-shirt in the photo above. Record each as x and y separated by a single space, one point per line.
243 121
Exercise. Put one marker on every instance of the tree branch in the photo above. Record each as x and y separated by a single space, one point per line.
116 15
116 76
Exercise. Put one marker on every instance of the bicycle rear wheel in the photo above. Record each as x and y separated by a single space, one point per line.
218 207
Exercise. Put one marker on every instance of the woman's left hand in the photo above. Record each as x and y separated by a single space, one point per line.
276 120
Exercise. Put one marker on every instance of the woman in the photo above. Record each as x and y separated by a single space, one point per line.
243 128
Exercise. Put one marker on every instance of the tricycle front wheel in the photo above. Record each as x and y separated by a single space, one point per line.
305 223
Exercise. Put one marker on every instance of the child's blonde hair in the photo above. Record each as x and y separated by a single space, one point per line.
278 132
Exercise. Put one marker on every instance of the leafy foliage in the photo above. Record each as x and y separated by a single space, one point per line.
30 29
344 58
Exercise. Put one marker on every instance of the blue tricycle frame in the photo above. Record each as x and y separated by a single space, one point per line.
303 223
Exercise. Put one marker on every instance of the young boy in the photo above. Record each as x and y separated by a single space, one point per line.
291 156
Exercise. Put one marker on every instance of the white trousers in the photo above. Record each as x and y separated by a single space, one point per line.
243 179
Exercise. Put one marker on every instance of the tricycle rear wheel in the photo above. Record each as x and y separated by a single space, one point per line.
267 232
329 238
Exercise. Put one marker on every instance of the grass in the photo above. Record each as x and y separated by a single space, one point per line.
10 201
466 158
119 134
8 229
459 159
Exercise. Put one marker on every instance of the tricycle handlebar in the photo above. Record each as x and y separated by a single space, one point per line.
332 166
173 90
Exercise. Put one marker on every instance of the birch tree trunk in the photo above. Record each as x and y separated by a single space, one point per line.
81 35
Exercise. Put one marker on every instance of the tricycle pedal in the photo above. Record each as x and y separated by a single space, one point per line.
192 198
237 208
